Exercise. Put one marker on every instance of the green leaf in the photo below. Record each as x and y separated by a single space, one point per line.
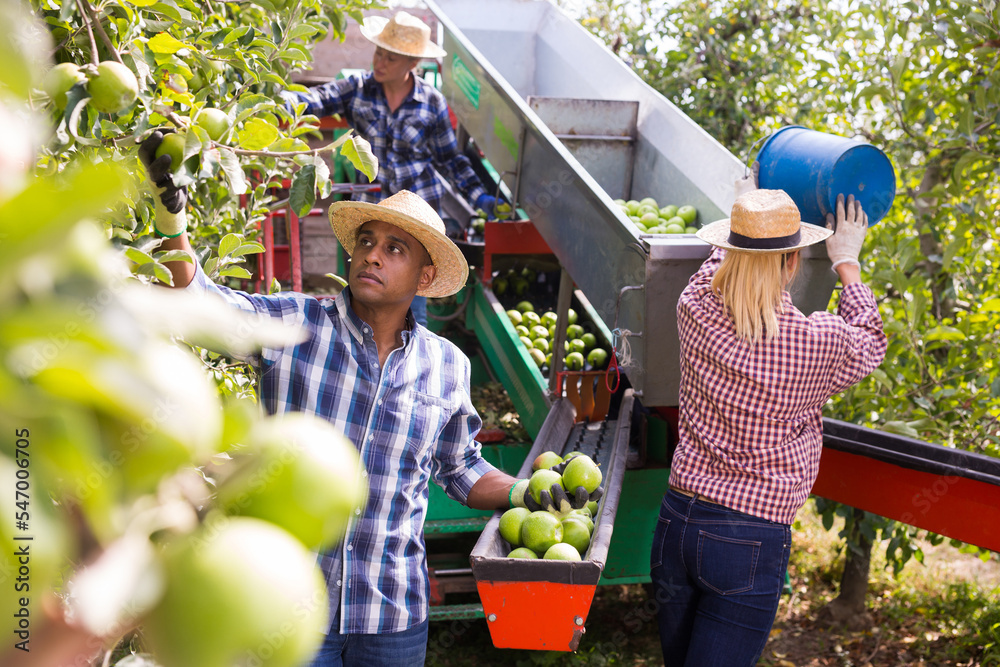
944 333
233 170
968 157
900 428
166 43
250 105
53 205
257 134
174 256
248 248
228 244
991 306
303 193
359 153
137 256
236 272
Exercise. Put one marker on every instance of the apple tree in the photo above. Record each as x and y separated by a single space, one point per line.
117 426
920 80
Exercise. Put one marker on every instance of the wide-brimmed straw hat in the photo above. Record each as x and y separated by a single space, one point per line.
763 221
404 34
416 217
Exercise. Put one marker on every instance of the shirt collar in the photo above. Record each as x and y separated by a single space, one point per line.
418 94
358 327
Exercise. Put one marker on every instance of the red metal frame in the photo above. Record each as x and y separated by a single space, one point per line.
510 238
953 506
551 616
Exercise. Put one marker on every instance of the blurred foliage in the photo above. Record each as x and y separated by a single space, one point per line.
118 421
919 80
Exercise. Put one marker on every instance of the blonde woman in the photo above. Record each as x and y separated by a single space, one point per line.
755 373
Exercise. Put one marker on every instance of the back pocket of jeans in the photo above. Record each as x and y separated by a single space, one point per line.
659 535
727 565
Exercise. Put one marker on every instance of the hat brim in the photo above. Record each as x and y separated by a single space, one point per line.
452 268
372 28
717 234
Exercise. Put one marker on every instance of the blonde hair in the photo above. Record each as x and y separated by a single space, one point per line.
751 286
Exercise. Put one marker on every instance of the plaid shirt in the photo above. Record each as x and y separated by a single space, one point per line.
409 143
411 420
750 417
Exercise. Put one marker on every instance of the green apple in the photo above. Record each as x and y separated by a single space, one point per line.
540 530
583 515
530 319
542 480
537 356
527 342
576 533
574 331
231 587
674 229
562 551
582 471
597 358
514 316
59 80
574 361
215 121
541 344
522 331
172 145
649 218
577 345
668 211
633 206
300 472
500 287
688 213
589 340
114 88
510 524
647 201
571 316
538 331
525 307
523 552
546 460
592 506
690 230
550 319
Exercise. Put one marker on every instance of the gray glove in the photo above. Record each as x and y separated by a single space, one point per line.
850 227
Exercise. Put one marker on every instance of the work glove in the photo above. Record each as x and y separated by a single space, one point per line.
850 227
748 183
554 500
170 220
488 205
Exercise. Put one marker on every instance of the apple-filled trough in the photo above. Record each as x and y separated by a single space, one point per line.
543 604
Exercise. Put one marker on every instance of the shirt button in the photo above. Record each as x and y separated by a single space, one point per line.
371 437
338 582
349 547
374 364
380 401
364 473
367 330
357 511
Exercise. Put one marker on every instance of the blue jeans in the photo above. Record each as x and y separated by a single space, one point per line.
392 649
419 308
717 578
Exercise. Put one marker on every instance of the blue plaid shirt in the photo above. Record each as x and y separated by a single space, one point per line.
409 143
411 420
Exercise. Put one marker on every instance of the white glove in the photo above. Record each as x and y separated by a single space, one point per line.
844 247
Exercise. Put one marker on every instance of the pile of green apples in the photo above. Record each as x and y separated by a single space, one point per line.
552 535
538 332
650 218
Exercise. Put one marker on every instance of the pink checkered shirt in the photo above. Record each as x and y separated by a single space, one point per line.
750 416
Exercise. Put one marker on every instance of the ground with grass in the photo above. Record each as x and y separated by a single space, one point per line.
943 612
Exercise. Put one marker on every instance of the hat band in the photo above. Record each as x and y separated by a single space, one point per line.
775 243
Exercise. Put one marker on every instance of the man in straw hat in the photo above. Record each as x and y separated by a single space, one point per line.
399 392
403 117
755 373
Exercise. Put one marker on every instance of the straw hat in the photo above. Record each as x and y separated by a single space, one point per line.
414 216
763 221
403 33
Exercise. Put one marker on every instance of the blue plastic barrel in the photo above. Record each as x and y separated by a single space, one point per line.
814 167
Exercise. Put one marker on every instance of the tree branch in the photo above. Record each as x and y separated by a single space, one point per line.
95 20
94 56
